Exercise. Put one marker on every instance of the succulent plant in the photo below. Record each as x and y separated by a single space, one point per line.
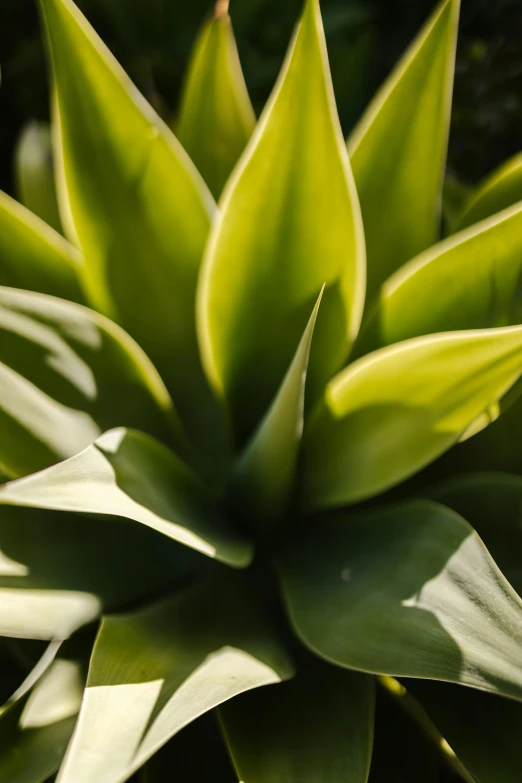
272 442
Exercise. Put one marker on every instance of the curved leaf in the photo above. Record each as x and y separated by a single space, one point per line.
216 117
290 222
317 727
410 591
155 671
34 256
501 189
264 476
60 571
66 374
128 474
398 150
34 173
470 281
393 412
140 210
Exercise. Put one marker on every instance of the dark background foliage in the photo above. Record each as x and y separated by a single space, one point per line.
152 39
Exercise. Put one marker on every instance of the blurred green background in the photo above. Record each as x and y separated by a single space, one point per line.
152 39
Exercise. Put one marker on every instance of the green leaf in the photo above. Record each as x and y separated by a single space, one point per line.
398 150
317 727
126 473
216 117
455 195
264 476
491 503
35 731
483 730
484 266
34 173
393 412
155 671
60 571
290 221
140 210
34 256
501 189
406 591
67 374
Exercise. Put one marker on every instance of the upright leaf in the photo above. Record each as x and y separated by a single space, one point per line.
60 571
398 150
155 671
34 256
216 117
66 374
484 267
407 590
500 190
140 210
317 727
126 473
393 412
264 476
34 173
290 222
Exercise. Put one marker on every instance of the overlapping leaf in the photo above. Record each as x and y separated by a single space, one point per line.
393 412
140 210
66 374
34 173
128 474
290 222
500 190
317 727
216 117
398 150
409 591
155 671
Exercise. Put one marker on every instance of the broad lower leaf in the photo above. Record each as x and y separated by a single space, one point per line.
317 727
398 150
393 412
290 222
407 590
491 503
155 671
483 730
264 476
35 731
501 189
67 374
126 473
484 266
34 173
60 571
34 256
216 117
140 210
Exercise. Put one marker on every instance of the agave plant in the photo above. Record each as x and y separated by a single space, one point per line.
273 442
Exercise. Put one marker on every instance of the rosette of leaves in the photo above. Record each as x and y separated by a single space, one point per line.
269 442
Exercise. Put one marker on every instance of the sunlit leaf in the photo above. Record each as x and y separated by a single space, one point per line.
34 256
140 210
408 590
470 281
265 473
155 671
501 189
398 150
393 412
128 474
216 117
67 374
290 222
317 727
34 173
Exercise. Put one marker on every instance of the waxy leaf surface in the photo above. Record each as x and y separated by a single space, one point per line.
500 190
34 173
